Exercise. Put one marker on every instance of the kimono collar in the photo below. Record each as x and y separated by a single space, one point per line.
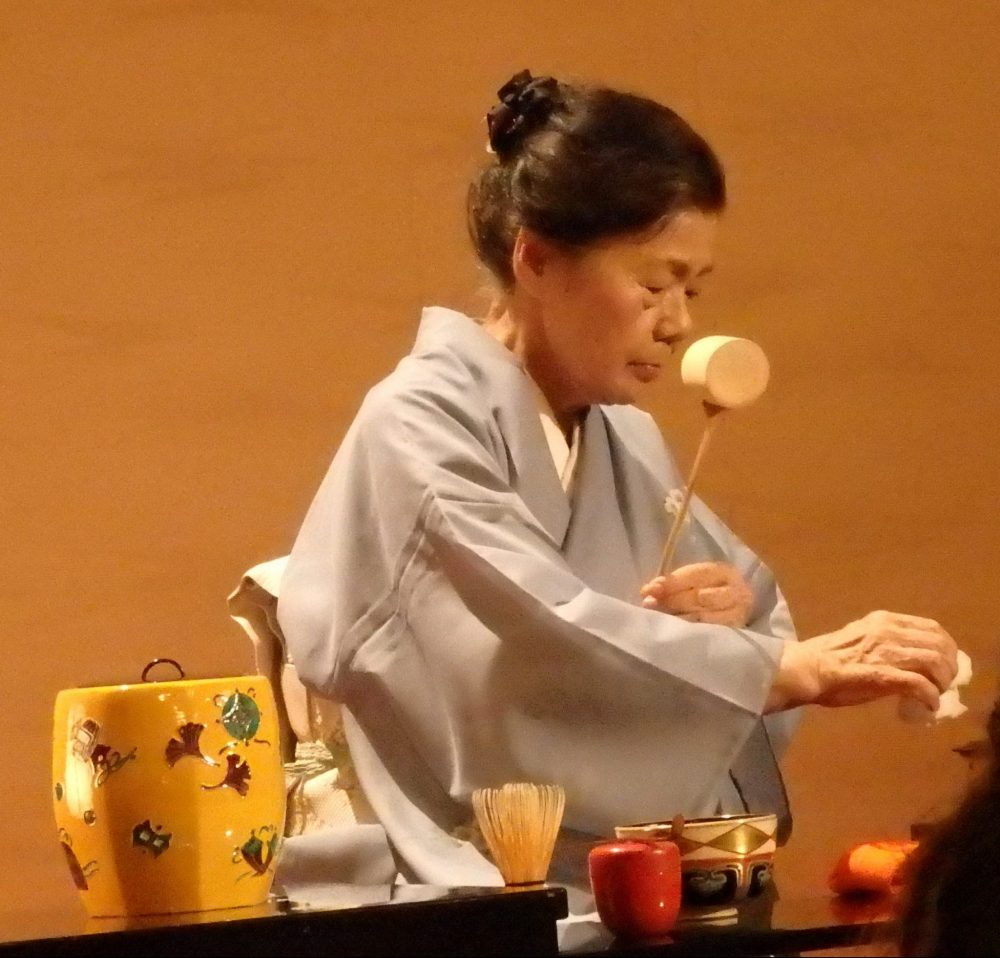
509 391
564 453
441 327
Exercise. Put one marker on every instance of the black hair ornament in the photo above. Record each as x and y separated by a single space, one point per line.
525 104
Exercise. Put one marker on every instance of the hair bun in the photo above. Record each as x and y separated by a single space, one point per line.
525 104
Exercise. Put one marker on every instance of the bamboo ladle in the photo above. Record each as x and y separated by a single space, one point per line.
732 373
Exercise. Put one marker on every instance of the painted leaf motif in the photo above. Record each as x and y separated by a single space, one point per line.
252 851
258 855
79 878
99 757
189 743
106 760
237 776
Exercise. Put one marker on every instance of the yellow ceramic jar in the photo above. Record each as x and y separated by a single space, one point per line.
169 796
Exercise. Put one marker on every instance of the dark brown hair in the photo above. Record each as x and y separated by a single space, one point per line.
576 164
951 904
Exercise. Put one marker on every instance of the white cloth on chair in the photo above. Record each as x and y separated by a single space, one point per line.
331 833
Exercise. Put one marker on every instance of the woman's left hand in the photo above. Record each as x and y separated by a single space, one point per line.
712 592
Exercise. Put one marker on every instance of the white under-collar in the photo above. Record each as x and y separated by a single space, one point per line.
564 454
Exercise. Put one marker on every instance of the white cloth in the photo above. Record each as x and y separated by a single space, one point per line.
480 626
314 866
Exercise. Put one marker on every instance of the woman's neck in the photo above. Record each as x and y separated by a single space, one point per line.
505 329
509 329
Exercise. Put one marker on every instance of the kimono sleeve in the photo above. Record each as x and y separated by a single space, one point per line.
770 614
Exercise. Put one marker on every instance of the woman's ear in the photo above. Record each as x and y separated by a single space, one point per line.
531 257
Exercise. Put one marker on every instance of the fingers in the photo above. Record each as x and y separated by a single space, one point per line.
913 643
886 653
928 663
733 614
720 605
732 617
712 597
812 672
916 621
712 592
657 591
882 681
698 575
933 637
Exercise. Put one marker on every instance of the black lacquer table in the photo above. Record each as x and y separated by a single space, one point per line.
382 920
769 925
407 920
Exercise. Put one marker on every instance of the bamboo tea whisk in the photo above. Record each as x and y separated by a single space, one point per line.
733 373
520 822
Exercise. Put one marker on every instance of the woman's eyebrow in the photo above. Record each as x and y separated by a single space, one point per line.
679 267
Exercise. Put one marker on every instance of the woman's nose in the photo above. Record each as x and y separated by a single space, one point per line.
674 319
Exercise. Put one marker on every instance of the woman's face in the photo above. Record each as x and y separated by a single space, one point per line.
606 319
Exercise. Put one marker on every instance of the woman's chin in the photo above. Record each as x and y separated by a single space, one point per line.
621 396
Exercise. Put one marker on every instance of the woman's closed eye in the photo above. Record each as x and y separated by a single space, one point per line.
689 293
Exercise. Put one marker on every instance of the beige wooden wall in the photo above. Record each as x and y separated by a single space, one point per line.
220 217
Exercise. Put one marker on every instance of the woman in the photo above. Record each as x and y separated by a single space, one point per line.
475 580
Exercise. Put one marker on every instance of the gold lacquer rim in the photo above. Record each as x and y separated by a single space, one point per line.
712 819
154 687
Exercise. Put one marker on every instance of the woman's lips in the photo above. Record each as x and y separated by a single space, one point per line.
645 372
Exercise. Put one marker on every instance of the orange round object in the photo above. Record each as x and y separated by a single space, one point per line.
874 867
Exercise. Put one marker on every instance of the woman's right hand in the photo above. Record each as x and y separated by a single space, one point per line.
881 654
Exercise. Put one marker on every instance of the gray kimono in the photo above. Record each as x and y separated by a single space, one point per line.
481 626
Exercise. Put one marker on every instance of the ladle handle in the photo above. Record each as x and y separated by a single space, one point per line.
711 411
